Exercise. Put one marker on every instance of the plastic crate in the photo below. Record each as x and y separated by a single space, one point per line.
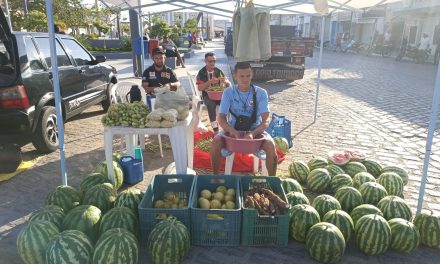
264 230
215 232
149 216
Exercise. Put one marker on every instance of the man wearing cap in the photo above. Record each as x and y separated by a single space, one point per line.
158 74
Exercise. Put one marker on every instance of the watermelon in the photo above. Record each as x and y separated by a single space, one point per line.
317 163
399 170
324 203
84 218
65 197
168 242
102 195
428 224
392 182
91 180
405 236
394 207
338 158
299 171
281 144
295 198
70 247
362 210
353 167
341 220
116 157
339 181
33 240
355 155
130 198
318 180
302 218
119 174
334 169
117 246
361 178
373 167
51 213
119 217
349 198
373 234
372 192
325 243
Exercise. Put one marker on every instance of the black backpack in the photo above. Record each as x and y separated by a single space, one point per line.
135 94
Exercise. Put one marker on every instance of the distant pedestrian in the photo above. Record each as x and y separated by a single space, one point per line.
194 38
189 37
338 42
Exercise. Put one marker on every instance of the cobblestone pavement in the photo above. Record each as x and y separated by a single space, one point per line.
370 103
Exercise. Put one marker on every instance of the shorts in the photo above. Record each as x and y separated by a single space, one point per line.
170 53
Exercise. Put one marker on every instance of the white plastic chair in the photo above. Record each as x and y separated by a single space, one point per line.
118 95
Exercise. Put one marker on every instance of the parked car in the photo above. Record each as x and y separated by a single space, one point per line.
27 104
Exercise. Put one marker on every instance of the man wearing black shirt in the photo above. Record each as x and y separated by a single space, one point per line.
159 75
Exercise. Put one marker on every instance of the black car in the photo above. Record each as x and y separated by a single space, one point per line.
27 104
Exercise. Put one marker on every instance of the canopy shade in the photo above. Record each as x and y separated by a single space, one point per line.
227 7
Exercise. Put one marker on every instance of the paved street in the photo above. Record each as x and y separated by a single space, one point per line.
370 103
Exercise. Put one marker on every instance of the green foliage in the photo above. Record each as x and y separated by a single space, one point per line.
190 25
36 20
125 28
126 43
83 42
159 29
101 26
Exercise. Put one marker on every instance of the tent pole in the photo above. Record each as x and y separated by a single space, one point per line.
431 130
318 82
141 27
56 88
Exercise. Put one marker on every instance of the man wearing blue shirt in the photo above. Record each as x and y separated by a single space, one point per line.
238 103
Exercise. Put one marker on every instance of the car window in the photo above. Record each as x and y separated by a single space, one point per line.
32 56
80 55
7 68
43 46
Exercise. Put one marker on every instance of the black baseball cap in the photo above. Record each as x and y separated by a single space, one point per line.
158 50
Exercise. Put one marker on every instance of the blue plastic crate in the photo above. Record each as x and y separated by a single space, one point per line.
133 169
264 230
149 216
215 232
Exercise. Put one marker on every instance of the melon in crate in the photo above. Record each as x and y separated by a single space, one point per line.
102 195
302 218
362 210
339 181
428 224
324 203
349 198
373 234
372 192
70 246
392 182
51 213
33 240
394 207
65 197
341 220
101 168
117 246
299 170
84 218
325 243
405 236
120 217
318 180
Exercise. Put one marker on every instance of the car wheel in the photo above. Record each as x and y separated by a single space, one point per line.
46 134
106 103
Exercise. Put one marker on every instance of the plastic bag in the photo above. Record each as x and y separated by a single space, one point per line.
167 99
170 115
156 115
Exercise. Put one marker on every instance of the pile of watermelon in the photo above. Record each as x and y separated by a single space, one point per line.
357 199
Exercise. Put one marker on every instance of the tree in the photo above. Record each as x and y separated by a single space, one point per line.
160 28
125 28
36 21
190 25
101 26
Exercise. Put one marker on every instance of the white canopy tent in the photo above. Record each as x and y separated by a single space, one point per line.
226 8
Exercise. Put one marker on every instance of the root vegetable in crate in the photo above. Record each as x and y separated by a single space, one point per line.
265 201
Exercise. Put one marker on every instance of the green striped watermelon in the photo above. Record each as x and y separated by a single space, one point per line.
399 170
70 247
168 242
372 192
291 185
317 163
84 218
294 198
302 218
349 198
65 197
130 198
51 213
405 236
428 224
394 207
102 195
324 203
354 167
362 210
116 246
119 174
392 182
373 234
120 217
339 181
334 169
325 243
33 240
299 170
341 220
362 177
373 167
319 180
91 180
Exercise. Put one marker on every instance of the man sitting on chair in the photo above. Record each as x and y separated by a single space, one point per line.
171 50
244 107
210 76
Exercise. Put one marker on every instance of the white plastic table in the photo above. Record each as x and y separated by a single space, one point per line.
181 138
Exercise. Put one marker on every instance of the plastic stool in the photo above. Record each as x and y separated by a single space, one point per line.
230 162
